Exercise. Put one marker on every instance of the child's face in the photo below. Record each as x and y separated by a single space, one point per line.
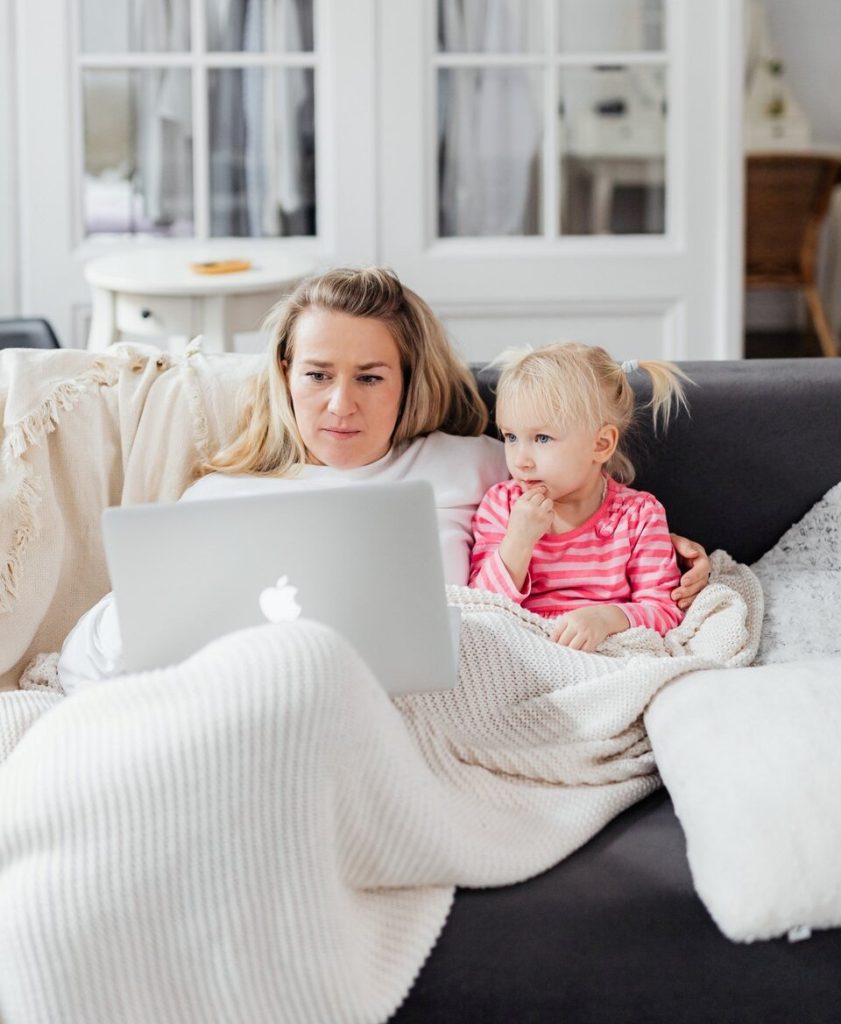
566 462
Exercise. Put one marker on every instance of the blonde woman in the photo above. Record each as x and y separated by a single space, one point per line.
360 384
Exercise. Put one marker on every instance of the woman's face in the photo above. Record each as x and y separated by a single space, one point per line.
346 384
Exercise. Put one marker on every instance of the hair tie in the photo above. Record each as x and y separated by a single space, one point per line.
630 365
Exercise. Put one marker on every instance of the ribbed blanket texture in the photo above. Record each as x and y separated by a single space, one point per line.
261 834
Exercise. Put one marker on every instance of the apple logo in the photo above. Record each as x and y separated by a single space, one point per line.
278 603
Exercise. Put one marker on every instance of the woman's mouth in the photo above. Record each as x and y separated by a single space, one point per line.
340 434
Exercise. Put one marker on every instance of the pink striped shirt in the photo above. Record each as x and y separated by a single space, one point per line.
622 555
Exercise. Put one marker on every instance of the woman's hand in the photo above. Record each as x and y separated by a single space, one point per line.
693 559
583 629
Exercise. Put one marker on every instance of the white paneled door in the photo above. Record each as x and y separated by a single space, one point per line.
534 168
567 168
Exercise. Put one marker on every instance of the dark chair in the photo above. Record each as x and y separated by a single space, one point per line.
787 198
27 332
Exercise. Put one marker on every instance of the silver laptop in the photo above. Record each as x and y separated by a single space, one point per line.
363 559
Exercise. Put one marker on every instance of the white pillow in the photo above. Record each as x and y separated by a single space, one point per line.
801 580
752 760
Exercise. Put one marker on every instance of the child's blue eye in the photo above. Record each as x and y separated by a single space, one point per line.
509 438
542 438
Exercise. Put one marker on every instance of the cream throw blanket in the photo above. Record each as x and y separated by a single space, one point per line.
261 834
134 422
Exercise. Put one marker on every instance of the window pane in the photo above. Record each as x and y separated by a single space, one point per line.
610 26
126 26
489 151
613 147
276 26
138 152
262 152
490 26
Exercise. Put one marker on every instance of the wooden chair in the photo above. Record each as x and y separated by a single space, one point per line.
787 198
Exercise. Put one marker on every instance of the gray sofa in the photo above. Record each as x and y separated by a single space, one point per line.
616 932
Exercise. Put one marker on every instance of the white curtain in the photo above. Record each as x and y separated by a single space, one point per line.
261 181
164 112
491 123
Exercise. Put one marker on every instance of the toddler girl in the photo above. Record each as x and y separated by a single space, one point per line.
566 536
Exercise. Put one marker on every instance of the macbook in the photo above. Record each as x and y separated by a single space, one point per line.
363 559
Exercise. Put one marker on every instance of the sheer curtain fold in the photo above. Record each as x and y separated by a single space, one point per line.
491 126
259 124
164 114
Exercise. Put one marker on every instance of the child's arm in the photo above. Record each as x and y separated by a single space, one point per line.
504 537
652 571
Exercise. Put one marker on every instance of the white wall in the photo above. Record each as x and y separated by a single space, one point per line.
807 36
9 298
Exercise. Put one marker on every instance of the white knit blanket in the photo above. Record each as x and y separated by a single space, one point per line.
260 834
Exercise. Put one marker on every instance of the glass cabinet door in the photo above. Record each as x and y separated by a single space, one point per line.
197 120
551 117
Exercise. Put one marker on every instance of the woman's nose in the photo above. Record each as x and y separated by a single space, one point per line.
341 401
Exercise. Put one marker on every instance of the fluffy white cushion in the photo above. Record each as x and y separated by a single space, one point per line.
752 756
752 760
801 580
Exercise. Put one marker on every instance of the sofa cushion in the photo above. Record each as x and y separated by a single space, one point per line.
616 934
801 580
752 761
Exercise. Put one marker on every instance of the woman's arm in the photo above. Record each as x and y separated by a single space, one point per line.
695 564
93 648
652 571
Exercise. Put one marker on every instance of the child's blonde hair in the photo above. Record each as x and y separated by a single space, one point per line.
582 385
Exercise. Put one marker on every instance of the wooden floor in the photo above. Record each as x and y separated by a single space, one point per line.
780 345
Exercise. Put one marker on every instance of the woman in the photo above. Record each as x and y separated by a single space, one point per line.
360 384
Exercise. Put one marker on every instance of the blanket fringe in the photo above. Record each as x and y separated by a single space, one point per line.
195 402
31 431
26 502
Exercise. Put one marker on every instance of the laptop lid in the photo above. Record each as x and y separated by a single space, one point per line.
364 560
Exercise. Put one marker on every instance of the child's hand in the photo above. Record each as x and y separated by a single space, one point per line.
583 629
531 517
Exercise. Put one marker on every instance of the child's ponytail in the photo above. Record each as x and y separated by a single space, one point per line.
667 392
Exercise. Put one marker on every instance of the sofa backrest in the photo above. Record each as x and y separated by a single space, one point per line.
761 443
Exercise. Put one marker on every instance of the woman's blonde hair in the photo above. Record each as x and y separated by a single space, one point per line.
439 392
569 384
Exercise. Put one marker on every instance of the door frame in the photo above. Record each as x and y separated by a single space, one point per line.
9 227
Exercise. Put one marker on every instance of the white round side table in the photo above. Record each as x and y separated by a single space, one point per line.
153 293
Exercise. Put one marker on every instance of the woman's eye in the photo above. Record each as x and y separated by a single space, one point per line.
369 378
317 376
